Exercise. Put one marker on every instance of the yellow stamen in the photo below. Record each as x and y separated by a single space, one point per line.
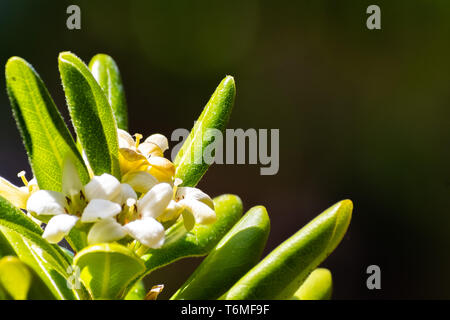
138 137
21 175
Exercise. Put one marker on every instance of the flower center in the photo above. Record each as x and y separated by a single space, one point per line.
76 203
129 212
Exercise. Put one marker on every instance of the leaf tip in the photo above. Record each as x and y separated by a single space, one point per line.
14 62
229 83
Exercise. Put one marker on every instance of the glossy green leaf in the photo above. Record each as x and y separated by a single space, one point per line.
137 292
190 163
318 286
200 240
282 272
106 72
47 140
92 116
108 269
234 255
21 237
15 277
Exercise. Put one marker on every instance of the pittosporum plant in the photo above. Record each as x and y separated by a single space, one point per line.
126 210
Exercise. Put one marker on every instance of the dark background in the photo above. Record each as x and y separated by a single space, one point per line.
362 114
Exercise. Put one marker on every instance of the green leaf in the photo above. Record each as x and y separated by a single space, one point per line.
91 114
234 255
19 282
318 286
21 237
106 72
107 269
200 240
189 162
15 277
4 294
282 272
137 292
47 140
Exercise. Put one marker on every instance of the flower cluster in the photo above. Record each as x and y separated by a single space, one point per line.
134 208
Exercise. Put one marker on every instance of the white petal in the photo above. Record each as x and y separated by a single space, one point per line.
127 192
106 230
125 139
172 211
189 193
147 231
105 187
141 181
100 209
202 212
45 202
156 200
58 227
17 196
71 183
160 140
150 149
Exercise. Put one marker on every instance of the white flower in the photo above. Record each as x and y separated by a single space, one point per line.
114 210
146 229
163 203
99 199
196 203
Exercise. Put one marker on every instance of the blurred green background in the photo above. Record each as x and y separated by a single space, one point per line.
362 114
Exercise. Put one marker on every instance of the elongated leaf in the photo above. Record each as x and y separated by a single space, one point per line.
190 163
15 277
47 140
234 255
282 272
21 237
20 282
108 269
106 72
318 286
91 114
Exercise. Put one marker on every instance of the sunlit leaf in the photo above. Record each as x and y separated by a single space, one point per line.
15 277
107 269
21 237
92 116
137 292
318 286
47 140
238 251
282 272
190 163
105 71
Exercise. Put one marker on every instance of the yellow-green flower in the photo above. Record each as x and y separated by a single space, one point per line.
147 156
